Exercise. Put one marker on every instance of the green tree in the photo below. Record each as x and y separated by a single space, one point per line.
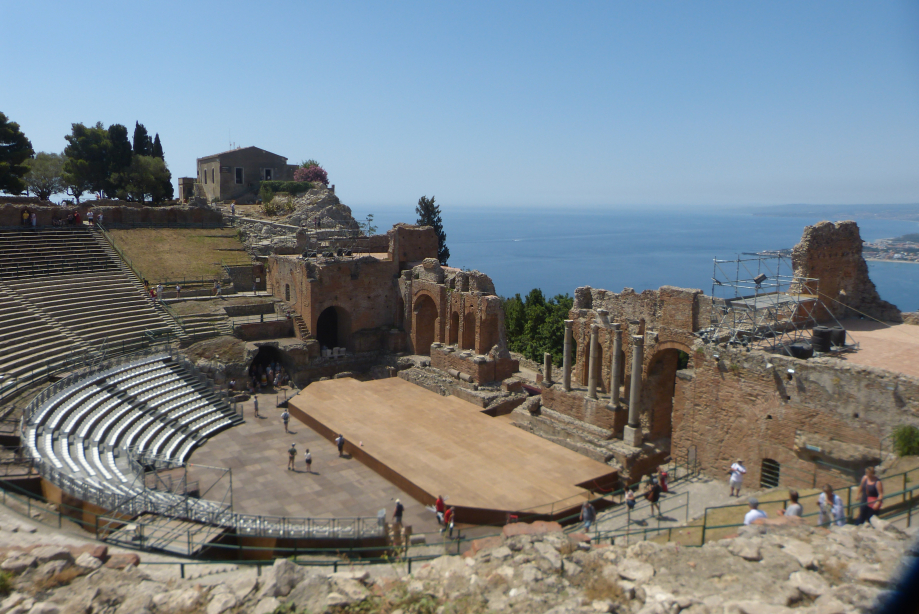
118 157
906 440
88 156
367 226
429 215
15 149
145 177
157 149
143 146
535 326
44 176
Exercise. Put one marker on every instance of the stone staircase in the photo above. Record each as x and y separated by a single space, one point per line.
198 326
300 328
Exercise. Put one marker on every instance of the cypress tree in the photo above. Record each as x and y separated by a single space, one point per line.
142 144
429 215
157 150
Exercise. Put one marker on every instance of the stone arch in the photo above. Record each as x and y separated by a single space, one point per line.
424 324
469 331
333 328
454 328
658 389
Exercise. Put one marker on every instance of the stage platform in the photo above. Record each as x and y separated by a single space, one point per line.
427 444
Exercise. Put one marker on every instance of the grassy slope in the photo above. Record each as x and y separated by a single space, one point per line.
173 254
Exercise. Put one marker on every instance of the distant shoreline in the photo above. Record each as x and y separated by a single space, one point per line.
890 260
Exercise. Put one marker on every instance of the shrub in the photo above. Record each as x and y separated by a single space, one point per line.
269 208
6 583
906 440
314 173
267 189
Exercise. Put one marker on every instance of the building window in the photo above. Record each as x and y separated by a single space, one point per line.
287 292
205 176
770 474
268 174
212 175
239 175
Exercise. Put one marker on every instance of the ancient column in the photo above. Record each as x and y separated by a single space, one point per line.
547 368
632 432
592 364
566 359
615 367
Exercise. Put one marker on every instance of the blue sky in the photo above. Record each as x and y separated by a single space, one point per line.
497 103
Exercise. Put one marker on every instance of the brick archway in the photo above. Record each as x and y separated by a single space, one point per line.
424 324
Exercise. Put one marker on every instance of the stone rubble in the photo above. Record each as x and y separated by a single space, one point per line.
531 569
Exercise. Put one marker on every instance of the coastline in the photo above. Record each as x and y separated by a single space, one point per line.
893 261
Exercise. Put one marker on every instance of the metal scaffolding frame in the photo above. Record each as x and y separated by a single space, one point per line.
757 300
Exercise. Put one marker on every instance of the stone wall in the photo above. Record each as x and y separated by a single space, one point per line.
832 253
826 415
265 330
10 215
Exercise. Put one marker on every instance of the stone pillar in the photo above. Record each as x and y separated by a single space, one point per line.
547 368
632 432
615 367
566 359
592 364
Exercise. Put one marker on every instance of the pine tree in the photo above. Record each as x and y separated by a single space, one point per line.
118 157
142 144
157 150
429 215
15 149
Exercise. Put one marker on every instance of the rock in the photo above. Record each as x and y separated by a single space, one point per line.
635 571
549 553
501 553
538 527
122 561
352 590
748 549
88 561
281 578
242 587
18 564
357 576
642 549
266 606
755 607
50 569
810 583
879 523
221 602
830 606
855 595
177 601
13 600
529 574
801 551
100 552
52 553
869 574
45 608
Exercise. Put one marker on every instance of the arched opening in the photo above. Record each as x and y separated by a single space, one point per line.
660 384
424 329
454 328
333 327
469 331
770 473
268 364
287 292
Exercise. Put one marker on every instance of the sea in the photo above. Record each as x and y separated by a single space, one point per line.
559 249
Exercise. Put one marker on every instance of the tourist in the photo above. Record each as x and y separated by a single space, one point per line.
153 294
216 288
159 292
449 517
308 459
26 216
755 513
233 209
340 442
99 219
255 403
255 288
630 498
832 508
588 515
439 509
34 220
76 218
231 385
291 456
285 416
146 285
397 513
871 494
178 291
89 217
662 479
737 472
653 495
794 508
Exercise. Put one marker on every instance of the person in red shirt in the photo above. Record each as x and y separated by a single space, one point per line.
448 521
439 508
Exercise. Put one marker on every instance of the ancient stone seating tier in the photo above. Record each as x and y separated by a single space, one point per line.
153 410
65 290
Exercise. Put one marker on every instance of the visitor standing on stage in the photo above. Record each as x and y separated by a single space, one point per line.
737 472
286 418
308 459
340 442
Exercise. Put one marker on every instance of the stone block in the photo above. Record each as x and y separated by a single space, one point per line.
632 436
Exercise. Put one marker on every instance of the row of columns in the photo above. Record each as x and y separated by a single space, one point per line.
633 430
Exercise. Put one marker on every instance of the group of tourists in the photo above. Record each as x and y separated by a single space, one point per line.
29 218
261 377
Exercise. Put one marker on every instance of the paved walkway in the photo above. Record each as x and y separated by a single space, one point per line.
256 451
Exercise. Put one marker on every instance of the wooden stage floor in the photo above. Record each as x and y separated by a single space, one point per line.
428 444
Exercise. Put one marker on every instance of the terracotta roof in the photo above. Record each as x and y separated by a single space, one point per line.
216 155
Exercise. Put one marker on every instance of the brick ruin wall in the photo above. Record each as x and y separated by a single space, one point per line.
824 423
832 253
10 215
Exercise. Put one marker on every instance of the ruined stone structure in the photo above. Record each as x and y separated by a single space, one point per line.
809 421
398 300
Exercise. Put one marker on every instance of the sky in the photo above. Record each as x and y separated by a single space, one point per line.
497 103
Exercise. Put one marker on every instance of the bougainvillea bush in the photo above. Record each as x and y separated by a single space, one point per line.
313 174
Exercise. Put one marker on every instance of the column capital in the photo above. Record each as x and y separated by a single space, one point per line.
569 323
616 326
639 339
594 328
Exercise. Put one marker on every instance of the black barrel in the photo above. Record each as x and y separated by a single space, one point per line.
801 349
821 339
838 336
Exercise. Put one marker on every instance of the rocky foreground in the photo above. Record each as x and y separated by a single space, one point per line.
764 570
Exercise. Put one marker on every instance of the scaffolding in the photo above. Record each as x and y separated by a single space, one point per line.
758 301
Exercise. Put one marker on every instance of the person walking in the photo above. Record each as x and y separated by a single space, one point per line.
308 459
737 472
449 517
89 217
397 513
662 479
178 291
755 513
793 508
340 442
439 509
99 219
630 498
871 494
588 515
653 495
255 405
233 209
286 418
832 508
291 456
159 292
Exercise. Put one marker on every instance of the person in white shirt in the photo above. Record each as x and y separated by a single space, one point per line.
159 292
737 472
755 513
832 509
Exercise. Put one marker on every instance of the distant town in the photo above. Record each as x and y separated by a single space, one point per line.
900 249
